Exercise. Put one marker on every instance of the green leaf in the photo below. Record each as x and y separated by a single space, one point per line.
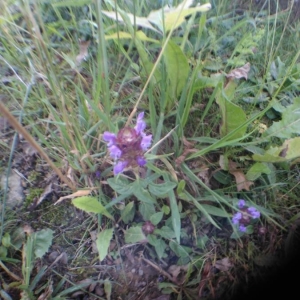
134 234
91 204
128 212
18 238
159 245
175 215
6 240
3 251
289 123
160 190
177 67
156 218
42 242
180 186
134 20
201 241
103 241
289 150
121 185
256 170
175 17
233 117
125 35
165 209
142 194
215 211
165 232
190 198
107 289
146 210
179 250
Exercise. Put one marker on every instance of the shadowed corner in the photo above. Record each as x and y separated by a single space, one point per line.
282 280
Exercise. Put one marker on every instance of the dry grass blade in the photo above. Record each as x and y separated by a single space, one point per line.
19 128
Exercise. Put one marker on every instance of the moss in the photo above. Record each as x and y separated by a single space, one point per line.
33 176
33 194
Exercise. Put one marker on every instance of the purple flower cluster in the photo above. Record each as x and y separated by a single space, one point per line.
245 215
127 147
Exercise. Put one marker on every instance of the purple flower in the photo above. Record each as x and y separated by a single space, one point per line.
146 141
140 123
119 167
127 147
244 217
109 137
141 161
242 228
236 218
241 203
255 214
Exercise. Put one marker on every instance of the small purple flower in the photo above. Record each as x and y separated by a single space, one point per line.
140 123
119 167
146 141
115 152
127 147
244 217
242 228
109 137
255 214
141 161
241 203
236 218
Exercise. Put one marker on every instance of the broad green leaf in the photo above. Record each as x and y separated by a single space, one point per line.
289 150
127 214
177 67
165 209
174 17
18 238
156 218
134 235
233 117
160 190
256 170
103 241
42 242
121 185
175 215
165 232
6 240
91 204
134 20
159 245
142 194
146 210
289 123
165 19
